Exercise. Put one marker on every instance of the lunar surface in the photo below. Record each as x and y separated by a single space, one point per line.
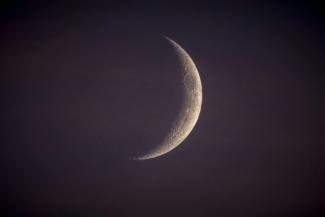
190 110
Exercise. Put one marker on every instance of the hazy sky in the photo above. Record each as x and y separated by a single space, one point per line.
86 86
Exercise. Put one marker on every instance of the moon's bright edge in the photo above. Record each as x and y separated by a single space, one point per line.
190 110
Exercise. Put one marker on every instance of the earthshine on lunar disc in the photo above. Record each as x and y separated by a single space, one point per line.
190 110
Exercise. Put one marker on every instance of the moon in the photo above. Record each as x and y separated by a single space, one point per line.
190 109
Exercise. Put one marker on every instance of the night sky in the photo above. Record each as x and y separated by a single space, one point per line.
85 86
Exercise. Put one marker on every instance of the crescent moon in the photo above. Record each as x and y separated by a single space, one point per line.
191 106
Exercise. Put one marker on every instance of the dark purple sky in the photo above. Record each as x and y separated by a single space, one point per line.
86 86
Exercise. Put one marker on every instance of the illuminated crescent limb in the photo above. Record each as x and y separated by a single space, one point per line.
190 110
